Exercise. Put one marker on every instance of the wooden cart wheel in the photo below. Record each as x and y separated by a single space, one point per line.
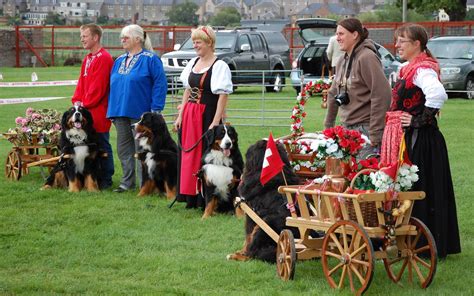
13 166
348 256
417 254
286 255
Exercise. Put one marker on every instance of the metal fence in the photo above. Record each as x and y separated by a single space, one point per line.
53 45
255 106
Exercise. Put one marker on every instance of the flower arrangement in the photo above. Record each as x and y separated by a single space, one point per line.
406 176
45 123
342 143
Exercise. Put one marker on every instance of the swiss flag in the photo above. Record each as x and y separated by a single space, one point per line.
272 163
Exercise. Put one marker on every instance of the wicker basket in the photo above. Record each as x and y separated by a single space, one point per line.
368 209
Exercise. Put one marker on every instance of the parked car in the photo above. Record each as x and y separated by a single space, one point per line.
315 34
247 51
455 55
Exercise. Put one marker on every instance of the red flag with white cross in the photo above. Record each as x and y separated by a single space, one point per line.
272 163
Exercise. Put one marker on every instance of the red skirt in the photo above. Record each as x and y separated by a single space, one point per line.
191 133
392 137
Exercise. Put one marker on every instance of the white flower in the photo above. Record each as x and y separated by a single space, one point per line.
332 148
366 139
297 167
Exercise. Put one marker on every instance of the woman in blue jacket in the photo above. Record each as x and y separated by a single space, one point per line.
137 85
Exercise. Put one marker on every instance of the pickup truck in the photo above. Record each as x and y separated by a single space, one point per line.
247 51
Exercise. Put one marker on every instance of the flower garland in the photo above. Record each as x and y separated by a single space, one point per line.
298 112
319 86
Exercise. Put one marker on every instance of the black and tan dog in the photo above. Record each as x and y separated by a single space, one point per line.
158 155
267 203
221 167
79 167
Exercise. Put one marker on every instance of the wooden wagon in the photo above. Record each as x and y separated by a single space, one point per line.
342 229
26 153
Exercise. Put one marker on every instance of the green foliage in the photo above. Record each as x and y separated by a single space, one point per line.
469 15
103 20
228 16
456 9
13 20
390 13
54 19
184 14
117 21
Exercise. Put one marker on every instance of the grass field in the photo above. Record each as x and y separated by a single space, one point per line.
53 242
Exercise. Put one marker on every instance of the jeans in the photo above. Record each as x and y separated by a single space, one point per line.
106 163
126 149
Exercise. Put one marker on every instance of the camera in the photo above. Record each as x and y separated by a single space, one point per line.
342 99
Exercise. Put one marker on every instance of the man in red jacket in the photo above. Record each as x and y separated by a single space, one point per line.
92 93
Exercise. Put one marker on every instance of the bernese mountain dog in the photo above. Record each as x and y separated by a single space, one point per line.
79 166
158 154
267 203
221 167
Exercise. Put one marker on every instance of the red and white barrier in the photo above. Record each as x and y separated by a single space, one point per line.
38 83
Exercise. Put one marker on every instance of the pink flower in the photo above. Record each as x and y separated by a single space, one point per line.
29 111
19 120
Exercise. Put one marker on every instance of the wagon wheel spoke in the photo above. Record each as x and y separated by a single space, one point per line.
418 272
417 237
343 276
354 241
351 281
364 263
344 238
410 271
357 273
338 256
399 275
419 250
359 250
336 241
422 262
335 268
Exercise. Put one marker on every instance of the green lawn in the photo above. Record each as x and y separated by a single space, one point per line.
54 242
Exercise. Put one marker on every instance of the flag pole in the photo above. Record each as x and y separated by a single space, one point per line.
284 177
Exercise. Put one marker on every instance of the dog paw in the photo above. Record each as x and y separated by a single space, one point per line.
46 187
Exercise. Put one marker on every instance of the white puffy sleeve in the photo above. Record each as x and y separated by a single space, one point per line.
185 74
428 81
221 79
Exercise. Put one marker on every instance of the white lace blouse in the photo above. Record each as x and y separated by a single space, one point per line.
221 79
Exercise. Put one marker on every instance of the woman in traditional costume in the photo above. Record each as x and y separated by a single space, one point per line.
208 82
417 96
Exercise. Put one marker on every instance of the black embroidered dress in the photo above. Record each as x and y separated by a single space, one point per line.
427 149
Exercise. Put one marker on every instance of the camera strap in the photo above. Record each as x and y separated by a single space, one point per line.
349 66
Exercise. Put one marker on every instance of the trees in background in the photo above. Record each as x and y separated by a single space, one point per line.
392 13
227 17
184 14
456 9
54 19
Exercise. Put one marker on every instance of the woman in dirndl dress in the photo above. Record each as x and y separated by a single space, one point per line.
208 82
416 99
